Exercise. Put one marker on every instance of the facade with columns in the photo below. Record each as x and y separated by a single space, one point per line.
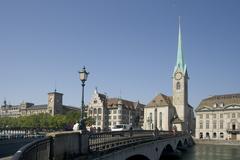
172 112
109 112
54 106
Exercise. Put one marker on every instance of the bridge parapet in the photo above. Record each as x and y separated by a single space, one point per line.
69 145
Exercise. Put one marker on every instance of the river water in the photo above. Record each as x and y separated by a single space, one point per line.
209 152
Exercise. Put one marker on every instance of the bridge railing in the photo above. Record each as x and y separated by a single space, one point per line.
67 145
19 133
39 149
107 141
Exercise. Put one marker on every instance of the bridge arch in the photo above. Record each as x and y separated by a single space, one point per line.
179 145
138 157
168 149
185 142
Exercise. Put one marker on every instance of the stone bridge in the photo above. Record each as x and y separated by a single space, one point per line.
126 145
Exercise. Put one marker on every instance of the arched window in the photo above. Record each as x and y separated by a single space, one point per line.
95 111
201 135
221 135
178 85
99 110
214 135
207 135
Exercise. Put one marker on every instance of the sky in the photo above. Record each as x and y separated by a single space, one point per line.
128 46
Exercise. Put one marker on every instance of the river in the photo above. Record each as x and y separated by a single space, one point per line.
208 152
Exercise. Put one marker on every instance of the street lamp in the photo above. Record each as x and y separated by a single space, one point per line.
83 77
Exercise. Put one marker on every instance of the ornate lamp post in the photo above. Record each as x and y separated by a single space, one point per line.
83 77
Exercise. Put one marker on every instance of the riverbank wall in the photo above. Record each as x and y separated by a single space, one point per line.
216 142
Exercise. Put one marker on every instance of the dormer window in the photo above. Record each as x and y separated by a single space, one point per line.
215 105
221 104
95 101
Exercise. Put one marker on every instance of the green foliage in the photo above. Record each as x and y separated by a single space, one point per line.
41 121
89 121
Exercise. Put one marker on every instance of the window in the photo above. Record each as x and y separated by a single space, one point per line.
201 135
238 115
214 135
114 117
221 124
110 123
99 117
114 111
214 116
233 115
207 116
178 86
221 135
200 116
119 117
99 110
201 125
214 124
119 111
160 120
99 123
207 124
221 115
90 112
95 111
95 101
150 116
207 135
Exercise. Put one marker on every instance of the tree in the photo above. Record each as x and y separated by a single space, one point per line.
90 121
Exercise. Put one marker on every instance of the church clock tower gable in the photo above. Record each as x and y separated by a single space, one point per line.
180 83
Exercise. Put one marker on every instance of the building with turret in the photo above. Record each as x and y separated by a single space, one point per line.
168 112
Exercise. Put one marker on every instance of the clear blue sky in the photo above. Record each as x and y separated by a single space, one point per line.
128 46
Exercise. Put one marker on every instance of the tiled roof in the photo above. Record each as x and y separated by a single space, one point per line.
160 100
43 106
112 102
226 99
72 108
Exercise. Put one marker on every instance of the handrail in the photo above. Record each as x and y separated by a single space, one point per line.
99 142
32 149
95 143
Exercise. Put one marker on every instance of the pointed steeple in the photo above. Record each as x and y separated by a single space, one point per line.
180 59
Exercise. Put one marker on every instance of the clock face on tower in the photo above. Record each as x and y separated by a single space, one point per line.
50 100
178 75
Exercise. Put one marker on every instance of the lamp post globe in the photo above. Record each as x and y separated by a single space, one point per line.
83 75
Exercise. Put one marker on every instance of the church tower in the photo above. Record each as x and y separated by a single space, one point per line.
180 86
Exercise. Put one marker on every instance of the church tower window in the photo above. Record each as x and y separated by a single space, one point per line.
178 86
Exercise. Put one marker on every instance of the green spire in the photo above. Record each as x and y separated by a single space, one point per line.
180 60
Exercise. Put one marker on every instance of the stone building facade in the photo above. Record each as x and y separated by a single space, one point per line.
168 112
54 106
108 112
218 117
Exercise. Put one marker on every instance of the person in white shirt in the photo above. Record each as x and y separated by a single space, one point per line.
76 126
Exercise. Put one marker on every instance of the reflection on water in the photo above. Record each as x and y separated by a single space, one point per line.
208 152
